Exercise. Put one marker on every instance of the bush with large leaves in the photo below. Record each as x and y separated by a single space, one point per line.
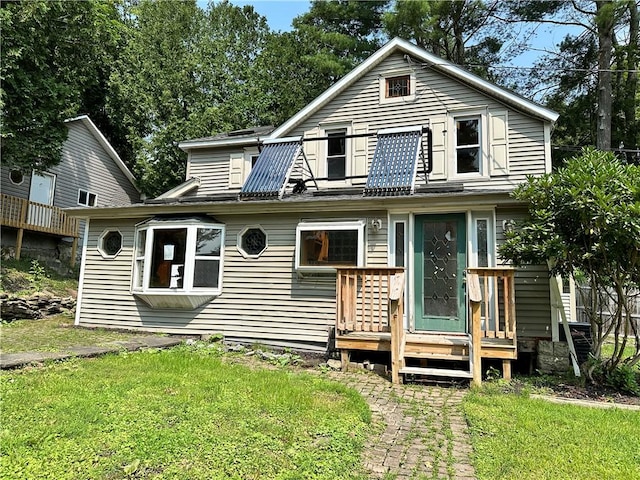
585 221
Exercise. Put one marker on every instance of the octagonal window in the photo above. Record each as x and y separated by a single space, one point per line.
110 243
252 241
16 177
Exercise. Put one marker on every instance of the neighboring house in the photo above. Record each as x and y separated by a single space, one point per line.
385 198
90 174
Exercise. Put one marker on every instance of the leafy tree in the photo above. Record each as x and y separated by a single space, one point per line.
336 35
464 32
585 221
599 63
185 73
54 60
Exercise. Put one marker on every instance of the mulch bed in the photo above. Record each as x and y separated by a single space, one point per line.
596 393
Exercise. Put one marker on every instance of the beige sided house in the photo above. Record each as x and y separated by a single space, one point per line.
374 213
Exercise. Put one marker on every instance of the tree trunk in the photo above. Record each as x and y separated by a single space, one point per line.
605 19
631 86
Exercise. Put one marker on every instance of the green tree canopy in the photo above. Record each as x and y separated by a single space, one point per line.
54 61
185 73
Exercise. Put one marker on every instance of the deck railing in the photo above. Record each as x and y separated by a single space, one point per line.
21 213
363 298
24 215
497 313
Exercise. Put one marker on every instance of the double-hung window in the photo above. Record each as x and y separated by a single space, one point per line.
327 245
178 257
468 139
336 154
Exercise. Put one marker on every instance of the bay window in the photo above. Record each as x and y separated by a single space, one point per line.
178 257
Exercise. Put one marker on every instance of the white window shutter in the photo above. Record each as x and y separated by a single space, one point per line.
498 143
311 150
439 132
359 162
236 170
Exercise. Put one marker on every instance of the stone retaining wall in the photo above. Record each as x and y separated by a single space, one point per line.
34 307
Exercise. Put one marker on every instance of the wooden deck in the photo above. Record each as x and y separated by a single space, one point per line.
370 318
23 214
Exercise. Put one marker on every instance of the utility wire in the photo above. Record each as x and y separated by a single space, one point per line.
506 67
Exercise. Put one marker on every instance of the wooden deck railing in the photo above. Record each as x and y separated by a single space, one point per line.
24 215
21 213
497 305
363 299
493 313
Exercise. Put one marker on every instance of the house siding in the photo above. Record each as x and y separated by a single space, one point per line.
359 106
533 311
263 299
10 188
86 165
436 96
212 167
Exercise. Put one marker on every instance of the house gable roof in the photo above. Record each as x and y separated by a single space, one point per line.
437 63
86 121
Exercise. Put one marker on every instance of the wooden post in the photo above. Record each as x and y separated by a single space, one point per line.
395 323
506 369
475 298
74 249
19 242
345 358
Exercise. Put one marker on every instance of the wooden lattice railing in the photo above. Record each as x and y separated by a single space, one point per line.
363 299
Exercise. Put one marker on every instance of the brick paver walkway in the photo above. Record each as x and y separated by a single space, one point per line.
419 431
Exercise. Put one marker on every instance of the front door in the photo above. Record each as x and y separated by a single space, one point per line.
41 192
440 260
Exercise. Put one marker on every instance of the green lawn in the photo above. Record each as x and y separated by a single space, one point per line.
53 334
180 413
516 437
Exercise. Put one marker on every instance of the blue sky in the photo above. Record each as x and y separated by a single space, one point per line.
279 13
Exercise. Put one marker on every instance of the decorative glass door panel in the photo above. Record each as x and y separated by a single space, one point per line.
440 258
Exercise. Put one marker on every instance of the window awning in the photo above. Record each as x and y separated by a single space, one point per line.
272 169
394 163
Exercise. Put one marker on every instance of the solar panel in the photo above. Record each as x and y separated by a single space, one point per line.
394 163
272 169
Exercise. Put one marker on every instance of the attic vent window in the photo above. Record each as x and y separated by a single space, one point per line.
398 86
252 241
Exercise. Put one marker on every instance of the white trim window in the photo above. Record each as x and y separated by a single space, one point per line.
482 240
324 246
468 141
337 157
178 257
397 86
86 198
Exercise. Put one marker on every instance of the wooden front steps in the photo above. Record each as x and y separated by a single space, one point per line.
422 350
436 372
370 316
